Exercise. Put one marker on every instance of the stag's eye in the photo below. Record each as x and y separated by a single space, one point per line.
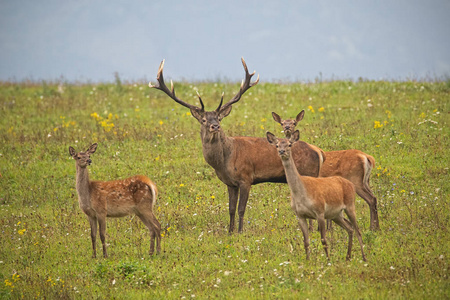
204 120
290 145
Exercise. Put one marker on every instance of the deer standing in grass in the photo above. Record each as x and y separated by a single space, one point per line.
241 162
118 198
318 198
352 164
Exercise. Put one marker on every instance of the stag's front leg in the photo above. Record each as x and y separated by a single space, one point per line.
233 193
244 191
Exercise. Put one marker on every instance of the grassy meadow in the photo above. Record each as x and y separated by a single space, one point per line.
45 246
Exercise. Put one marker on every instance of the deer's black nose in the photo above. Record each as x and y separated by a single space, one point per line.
215 127
89 161
281 151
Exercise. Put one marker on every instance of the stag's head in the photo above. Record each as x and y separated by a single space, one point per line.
209 120
83 159
289 124
283 146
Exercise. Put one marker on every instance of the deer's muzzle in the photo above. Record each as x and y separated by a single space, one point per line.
214 127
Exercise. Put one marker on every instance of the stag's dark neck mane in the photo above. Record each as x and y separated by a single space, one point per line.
216 148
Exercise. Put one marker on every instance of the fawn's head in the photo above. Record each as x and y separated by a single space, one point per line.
209 120
283 145
289 124
83 159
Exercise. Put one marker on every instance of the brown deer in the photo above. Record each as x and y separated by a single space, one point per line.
318 198
118 198
240 162
353 165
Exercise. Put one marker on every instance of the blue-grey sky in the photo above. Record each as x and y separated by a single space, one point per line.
204 40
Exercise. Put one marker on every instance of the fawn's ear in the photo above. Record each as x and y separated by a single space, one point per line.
92 148
300 116
72 151
294 137
271 138
276 117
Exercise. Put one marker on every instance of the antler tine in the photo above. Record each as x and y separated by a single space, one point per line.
221 101
245 85
160 85
201 102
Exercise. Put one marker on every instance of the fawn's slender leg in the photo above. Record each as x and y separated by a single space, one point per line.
352 216
93 224
323 231
102 228
304 227
348 227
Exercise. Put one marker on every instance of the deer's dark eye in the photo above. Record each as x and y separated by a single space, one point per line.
290 145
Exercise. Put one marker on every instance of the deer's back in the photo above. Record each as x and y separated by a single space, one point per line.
121 197
332 191
345 163
257 161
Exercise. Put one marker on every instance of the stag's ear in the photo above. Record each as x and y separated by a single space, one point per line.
92 148
224 112
271 138
196 113
276 117
300 116
72 151
294 137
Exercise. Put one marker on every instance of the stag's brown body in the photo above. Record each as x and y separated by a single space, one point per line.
117 198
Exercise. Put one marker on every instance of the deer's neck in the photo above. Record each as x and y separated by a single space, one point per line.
83 188
216 148
298 189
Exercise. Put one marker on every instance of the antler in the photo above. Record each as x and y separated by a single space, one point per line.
160 85
245 85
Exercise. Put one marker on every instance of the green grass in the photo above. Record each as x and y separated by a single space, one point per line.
45 249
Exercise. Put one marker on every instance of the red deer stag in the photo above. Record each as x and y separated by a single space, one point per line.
318 198
118 198
240 162
353 165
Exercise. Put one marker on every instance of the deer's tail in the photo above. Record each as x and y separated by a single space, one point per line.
152 187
